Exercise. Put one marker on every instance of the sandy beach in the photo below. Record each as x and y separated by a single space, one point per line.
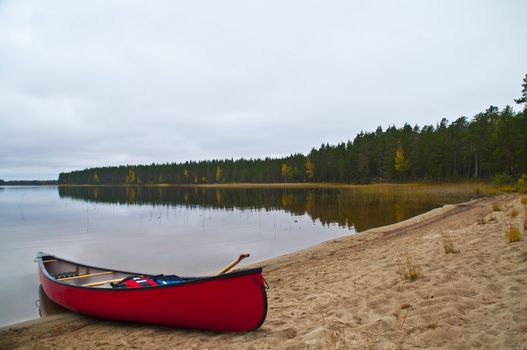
352 293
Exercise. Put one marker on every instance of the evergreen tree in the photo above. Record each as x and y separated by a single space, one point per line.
523 98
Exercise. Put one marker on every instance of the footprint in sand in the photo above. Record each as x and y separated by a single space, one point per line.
288 333
493 287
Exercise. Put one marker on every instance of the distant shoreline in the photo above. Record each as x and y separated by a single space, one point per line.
292 184
248 184
479 187
28 183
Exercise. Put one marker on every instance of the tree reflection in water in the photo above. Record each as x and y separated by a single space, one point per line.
354 208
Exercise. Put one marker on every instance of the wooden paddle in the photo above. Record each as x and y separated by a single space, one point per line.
100 283
85 276
232 264
225 270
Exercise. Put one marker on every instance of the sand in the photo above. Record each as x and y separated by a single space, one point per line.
349 293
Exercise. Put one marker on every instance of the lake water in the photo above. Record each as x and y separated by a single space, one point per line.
182 230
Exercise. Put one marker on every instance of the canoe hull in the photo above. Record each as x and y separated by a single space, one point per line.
235 302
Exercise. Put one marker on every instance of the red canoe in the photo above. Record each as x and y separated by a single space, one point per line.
234 302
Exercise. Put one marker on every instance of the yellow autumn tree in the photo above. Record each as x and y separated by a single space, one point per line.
96 178
218 174
131 178
310 169
284 171
287 171
401 163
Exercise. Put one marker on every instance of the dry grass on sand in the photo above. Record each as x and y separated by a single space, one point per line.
349 293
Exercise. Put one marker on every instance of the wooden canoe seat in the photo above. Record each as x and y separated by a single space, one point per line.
100 283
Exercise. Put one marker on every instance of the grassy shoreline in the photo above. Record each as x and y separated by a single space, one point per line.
336 185
407 190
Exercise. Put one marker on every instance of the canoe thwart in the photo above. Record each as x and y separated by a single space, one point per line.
86 276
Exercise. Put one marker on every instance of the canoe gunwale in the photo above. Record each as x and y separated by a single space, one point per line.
192 280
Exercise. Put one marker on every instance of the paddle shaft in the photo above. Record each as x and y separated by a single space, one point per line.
232 264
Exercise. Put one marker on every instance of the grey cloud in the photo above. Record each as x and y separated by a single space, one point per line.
105 83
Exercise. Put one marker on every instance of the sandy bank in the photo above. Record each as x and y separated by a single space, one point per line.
348 294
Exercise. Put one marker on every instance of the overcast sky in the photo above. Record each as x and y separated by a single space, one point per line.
97 83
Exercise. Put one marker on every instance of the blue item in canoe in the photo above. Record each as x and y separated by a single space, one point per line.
170 279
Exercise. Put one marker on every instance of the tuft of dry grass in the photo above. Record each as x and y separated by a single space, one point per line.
401 330
408 270
513 234
448 243
525 223
524 200
331 333
514 213
496 206
507 188
429 323
482 221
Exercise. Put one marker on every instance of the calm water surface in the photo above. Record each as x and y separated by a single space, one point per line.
179 230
